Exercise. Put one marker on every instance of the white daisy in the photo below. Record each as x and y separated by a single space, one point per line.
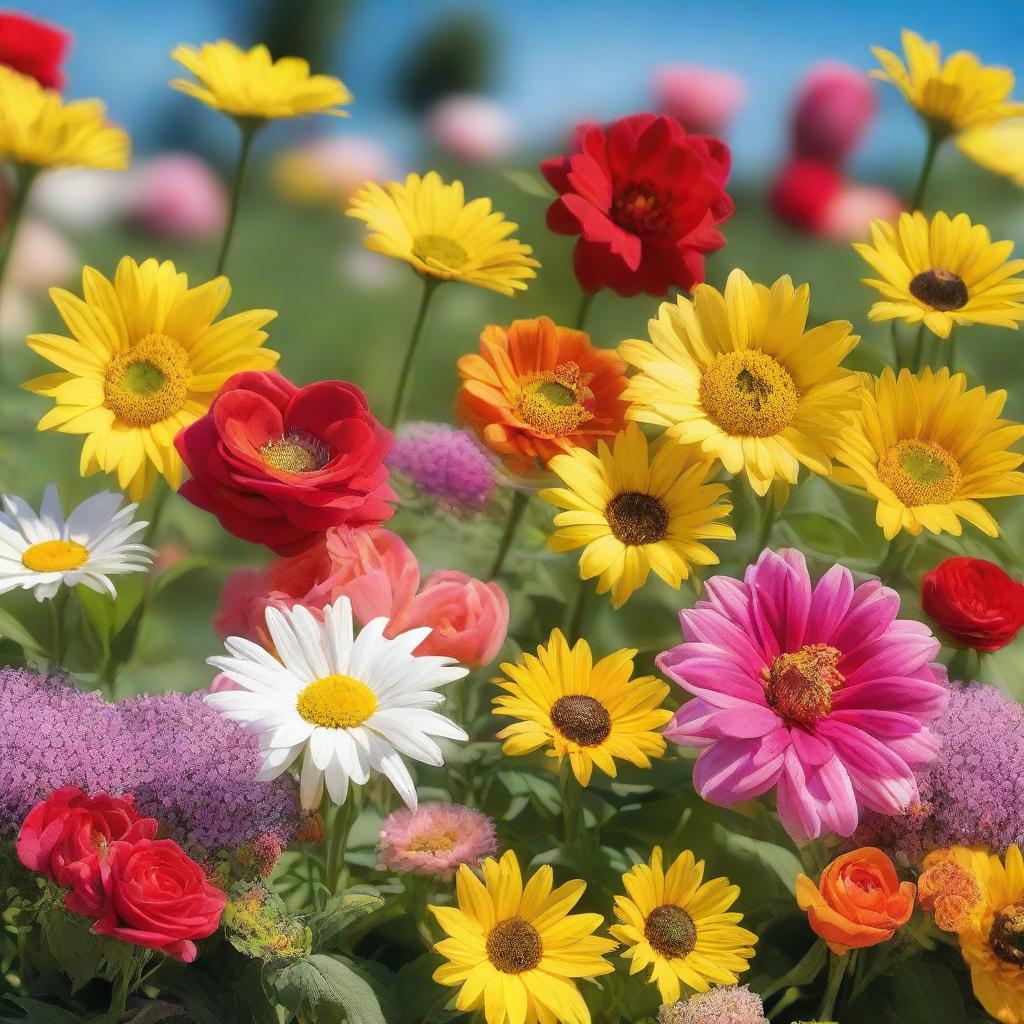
352 705
41 552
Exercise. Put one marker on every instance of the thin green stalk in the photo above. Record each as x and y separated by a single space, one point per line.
248 127
935 138
916 364
894 564
952 352
24 176
58 635
897 356
836 971
336 877
572 805
520 499
430 285
119 994
769 517
584 308
577 611
964 665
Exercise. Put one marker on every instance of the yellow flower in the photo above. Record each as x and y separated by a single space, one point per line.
998 148
514 949
737 374
992 935
430 225
942 272
590 713
681 928
634 512
38 129
251 84
145 359
927 450
950 95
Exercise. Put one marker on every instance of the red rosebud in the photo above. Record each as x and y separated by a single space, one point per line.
804 193
70 826
974 601
644 198
279 465
833 108
33 47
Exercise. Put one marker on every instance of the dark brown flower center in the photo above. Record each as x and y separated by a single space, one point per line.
637 518
799 686
1007 935
514 946
581 719
940 289
670 931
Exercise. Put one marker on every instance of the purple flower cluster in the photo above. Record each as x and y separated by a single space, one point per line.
973 793
186 765
445 464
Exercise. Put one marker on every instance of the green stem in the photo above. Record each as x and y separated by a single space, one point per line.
952 352
577 611
935 139
119 995
24 176
897 356
344 817
58 613
964 665
584 308
572 804
520 499
769 516
430 285
894 564
248 127
915 366
836 970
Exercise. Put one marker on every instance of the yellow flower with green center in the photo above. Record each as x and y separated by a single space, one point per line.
145 359
513 950
943 272
737 374
429 224
681 927
251 84
928 451
591 713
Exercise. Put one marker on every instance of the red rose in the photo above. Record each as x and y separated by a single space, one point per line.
645 199
149 893
974 601
33 47
70 826
278 465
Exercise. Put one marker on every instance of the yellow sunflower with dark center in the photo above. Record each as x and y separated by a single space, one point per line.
738 375
942 272
145 358
590 713
634 511
681 926
929 451
514 950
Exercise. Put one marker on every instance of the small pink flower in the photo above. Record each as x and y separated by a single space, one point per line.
834 106
436 839
849 215
704 99
473 128
178 196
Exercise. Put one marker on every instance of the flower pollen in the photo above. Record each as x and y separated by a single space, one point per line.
581 719
514 946
555 401
637 518
149 382
55 556
337 702
438 250
749 394
1007 935
296 452
799 686
670 931
638 209
920 472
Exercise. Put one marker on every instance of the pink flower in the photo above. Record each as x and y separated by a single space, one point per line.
473 128
703 99
834 106
328 170
848 217
818 691
178 196
436 839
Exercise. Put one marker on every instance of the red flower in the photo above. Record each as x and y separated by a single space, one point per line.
150 893
70 826
804 193
645 199
974 601
279 465
33 47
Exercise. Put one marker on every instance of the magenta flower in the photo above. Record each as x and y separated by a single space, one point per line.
436 839
818 691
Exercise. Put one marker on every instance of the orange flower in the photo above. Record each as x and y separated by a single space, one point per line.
537 389
948 891
858 902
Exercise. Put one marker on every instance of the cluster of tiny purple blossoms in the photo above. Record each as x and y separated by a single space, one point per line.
186 765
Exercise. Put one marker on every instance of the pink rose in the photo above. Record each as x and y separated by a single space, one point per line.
375 569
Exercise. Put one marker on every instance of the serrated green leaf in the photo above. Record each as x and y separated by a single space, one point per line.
327 990
339 913
81 954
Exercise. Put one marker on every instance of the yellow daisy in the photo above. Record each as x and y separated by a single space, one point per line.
145 359
251 84
680 928
928 450
737 374
429 224
634 513
513 950
942 272
590 713
998 148
38 129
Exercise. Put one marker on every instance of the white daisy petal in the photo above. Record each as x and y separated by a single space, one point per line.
311 784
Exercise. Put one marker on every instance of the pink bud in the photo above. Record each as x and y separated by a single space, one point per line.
178 196
703 99
473 128
833 108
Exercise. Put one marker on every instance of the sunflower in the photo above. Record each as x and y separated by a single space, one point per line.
515 949
942 272
680 928
430 225
737 374
38 129
251 84
591 713
927 450
145 359
635 512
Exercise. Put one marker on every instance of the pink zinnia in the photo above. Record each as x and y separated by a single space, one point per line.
436 839
820 691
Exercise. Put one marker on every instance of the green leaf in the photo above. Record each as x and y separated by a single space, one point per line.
12 629
99 610
917 993
530 183
340 912
182 568
81 954
328 990
784 863
39 1013
803 973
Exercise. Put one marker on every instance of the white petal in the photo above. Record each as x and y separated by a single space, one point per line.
311 784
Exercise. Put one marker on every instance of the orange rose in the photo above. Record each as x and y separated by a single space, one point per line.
858 902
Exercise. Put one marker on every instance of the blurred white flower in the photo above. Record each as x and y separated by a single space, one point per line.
78 197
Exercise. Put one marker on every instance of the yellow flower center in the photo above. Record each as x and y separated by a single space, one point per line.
439 249
296 452
919 472
553 402
1007 935
940 289
581 719
670 931
149 382
337 702
434 842
799 686
55 556
749 394
636 518
514 946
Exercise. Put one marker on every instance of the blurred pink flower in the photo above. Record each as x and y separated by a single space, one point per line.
803 193
848 217
833 108
473 128
704 99
329 170
436 839
42 257
178 196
